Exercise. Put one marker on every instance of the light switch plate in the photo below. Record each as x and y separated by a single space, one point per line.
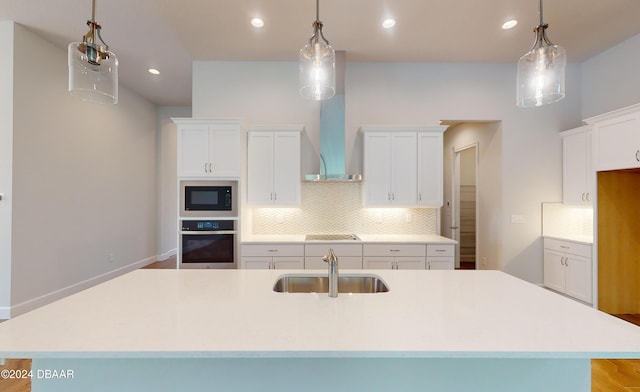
518 219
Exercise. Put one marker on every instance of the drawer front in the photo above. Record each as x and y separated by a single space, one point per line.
341 250
273 250
568 247
440 250
394 250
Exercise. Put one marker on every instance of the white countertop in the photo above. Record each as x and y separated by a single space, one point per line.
580 239
364 238
235 313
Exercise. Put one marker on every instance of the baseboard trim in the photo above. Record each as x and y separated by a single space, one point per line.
165 256
42 300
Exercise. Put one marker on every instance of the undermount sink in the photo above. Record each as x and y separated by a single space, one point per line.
332 237
361 284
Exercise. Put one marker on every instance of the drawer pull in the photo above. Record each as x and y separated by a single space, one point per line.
394 250
441 250
565 247
272 250
638 155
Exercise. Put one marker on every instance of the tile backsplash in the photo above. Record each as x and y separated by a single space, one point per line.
336 207
562 220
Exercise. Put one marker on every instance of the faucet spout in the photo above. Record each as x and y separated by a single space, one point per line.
332 260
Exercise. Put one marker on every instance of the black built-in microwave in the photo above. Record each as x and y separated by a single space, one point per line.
216 199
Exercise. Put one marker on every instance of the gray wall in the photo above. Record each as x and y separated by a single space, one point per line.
167 172
84 181
610 80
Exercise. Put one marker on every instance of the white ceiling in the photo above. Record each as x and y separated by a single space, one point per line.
170 34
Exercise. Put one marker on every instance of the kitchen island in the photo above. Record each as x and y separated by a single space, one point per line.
228 330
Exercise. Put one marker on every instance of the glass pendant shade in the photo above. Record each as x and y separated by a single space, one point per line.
93 68
317 73
541 76
93 73
541 71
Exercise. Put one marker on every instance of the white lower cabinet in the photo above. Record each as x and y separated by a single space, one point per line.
567 268
440 257
390 256
349 255
272 256
394 256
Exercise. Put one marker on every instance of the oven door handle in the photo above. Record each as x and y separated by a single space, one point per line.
208 232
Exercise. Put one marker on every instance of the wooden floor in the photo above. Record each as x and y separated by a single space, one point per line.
16 384
617 375
607 375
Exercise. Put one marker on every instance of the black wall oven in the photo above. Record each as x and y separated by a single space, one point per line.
202 199
208 244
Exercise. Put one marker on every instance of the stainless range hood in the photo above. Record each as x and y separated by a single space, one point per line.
332 133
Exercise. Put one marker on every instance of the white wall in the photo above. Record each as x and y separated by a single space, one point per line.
6 163
84 181
418 93
167 171
610 80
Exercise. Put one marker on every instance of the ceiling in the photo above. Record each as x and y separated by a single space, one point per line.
170 34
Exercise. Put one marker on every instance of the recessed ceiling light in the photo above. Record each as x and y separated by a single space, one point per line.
154 71
509 24
388 23
257 22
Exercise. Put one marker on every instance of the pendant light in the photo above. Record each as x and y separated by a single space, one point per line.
93 69
541 71
317 65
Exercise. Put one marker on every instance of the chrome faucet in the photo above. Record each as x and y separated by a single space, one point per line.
333 272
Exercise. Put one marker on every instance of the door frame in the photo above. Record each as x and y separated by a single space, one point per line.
454 229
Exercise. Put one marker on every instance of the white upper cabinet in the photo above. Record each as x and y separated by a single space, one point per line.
616 138
403 166
577 168
273 166
430 166
390 168
208 148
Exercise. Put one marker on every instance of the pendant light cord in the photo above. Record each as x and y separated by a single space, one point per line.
93 11
541 22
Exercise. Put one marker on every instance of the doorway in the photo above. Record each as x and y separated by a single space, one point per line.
465 205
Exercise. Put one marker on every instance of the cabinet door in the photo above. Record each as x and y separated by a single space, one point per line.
440 263
256 262
286 168
224 150
430 169
193 156
404 169
289 262
576 166
578 277
554 270
618 142
377 169
260 168
381 263
410 263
